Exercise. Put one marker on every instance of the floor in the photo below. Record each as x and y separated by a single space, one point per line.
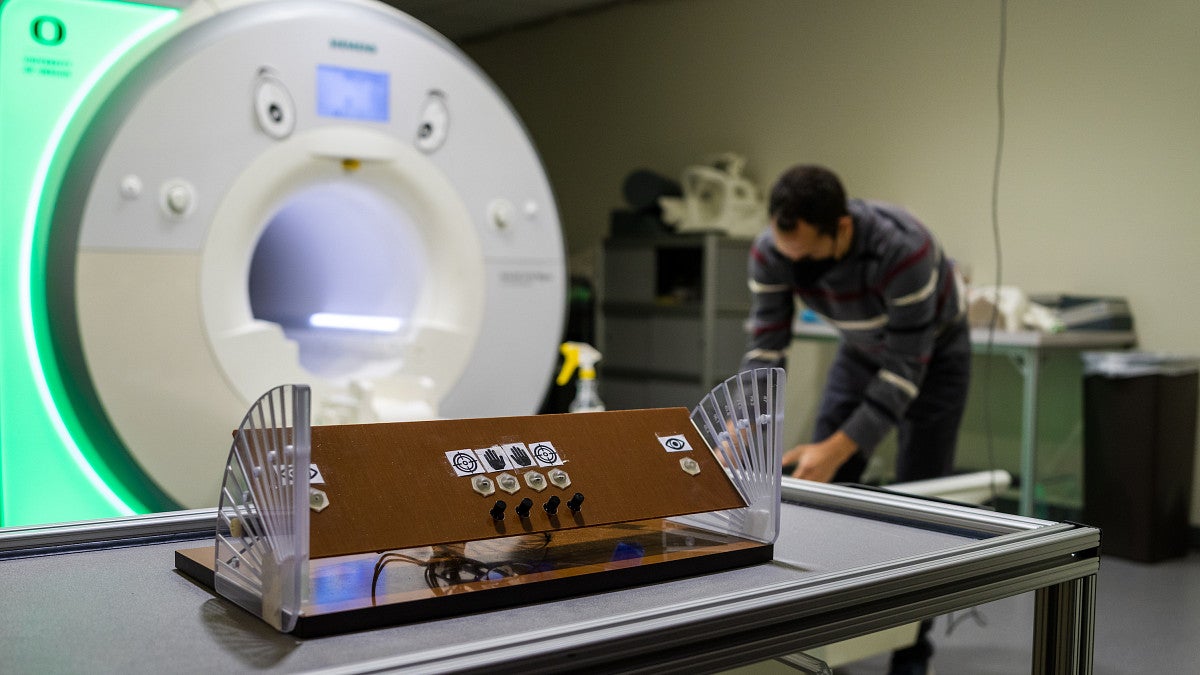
1147 621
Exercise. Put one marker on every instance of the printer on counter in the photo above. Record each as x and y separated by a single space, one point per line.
1083 312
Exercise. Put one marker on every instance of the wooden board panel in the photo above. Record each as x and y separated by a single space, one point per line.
395 485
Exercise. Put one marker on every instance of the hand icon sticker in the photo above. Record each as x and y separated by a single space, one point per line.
519 455
494 459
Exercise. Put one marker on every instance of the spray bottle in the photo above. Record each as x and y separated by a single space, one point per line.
583 356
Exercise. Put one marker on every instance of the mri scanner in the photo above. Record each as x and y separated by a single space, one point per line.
204 200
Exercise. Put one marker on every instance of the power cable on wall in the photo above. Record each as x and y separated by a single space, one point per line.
991 331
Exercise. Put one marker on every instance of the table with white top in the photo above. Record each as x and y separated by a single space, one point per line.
1026 349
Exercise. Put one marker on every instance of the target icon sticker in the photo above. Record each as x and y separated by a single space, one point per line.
464 462
545 454
676 443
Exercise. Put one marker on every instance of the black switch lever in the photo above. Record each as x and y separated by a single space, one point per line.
551 505
523 508
575 502
498 510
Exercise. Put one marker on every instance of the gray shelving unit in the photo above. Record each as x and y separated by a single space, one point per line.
672 317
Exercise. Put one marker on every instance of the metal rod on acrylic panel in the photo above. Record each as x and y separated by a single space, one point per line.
262 528
709 423
732 434
752 427
740 420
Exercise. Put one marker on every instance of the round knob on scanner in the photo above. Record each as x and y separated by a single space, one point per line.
551 505
523 508
498 510
575 502
177 198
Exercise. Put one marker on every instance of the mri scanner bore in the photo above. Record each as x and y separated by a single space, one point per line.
205 200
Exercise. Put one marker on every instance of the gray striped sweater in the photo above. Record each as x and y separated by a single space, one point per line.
889 297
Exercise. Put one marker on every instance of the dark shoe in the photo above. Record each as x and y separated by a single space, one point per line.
912 661
910 667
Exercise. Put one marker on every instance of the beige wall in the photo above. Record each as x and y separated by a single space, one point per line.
1100 187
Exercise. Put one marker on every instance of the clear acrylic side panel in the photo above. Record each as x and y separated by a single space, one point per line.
742 422
263 516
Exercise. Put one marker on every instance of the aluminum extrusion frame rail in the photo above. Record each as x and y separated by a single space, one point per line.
996 556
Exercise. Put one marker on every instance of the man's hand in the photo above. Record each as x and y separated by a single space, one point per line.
820 461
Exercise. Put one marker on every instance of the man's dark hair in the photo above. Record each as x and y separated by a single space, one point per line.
810 193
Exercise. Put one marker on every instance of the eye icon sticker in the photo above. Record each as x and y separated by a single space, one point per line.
288 473
676 443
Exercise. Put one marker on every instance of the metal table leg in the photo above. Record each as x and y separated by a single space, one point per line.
1064 627
1028 363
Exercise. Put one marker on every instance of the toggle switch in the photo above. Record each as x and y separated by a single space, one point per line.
535 480
483 485
498 510
508 482
576 502
559 478
523 508
551 505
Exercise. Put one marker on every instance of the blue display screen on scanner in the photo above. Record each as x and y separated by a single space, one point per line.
352 94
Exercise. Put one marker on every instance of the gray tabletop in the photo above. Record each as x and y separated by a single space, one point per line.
125 608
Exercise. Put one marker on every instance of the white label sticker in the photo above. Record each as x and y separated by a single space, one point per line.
518 455
464 462
494 459
314 474
545 454
676 443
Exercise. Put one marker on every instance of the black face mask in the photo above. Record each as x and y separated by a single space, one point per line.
808 272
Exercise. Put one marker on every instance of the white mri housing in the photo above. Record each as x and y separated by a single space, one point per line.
316 191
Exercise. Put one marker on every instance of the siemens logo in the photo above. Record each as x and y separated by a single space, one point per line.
352 46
